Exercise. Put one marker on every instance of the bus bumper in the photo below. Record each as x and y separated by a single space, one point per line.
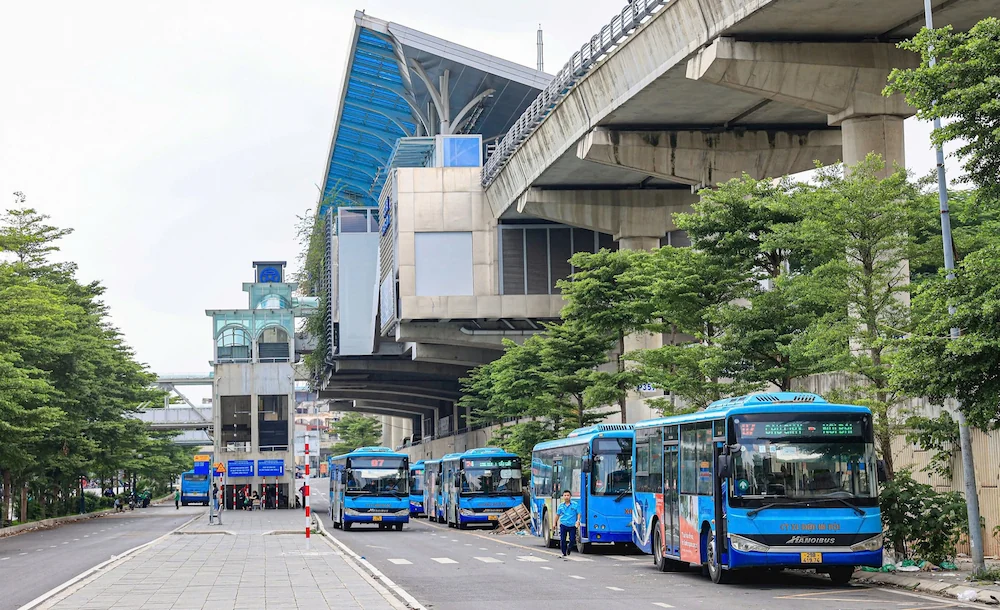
607 536
376 519
740 559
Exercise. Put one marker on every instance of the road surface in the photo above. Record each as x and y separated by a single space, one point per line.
35 562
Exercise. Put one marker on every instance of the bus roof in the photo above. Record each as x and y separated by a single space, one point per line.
370 452
480 452
417 465
450 456
583 436
766 402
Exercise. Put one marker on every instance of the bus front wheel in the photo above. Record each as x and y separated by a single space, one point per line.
399 527
343 523
718 575
662 563
547 533
841 575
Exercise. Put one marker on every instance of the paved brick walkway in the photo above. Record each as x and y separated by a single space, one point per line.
248 562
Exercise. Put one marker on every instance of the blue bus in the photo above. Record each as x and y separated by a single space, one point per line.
433 502
479 485
417 489
369 485
776 480
194 488
595 464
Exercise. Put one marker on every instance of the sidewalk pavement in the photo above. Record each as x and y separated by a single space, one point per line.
254 560
950 583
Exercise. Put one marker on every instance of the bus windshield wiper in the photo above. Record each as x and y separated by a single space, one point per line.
753 513
857 510
622 495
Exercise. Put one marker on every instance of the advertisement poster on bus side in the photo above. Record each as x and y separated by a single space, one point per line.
690 540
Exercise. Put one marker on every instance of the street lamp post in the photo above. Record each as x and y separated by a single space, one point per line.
964 435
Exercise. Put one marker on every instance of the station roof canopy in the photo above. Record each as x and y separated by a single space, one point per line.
391 90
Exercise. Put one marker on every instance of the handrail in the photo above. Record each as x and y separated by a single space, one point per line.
613 34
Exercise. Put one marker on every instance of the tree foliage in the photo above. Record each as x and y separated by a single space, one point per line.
963 89
68 382
922 522
355 430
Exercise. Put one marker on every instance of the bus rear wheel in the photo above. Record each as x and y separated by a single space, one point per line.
841 575
662 563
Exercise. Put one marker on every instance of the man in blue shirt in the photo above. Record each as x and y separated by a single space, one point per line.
569 520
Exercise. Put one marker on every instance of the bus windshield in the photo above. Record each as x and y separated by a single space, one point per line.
492 477
417 482
611 472
196 478
805 460
382 476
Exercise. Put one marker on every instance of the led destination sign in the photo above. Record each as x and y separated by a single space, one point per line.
493 463
782 429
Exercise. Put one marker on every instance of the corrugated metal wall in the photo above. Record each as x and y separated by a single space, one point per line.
986 453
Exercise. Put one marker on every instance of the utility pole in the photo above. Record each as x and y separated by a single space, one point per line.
964 435
541 56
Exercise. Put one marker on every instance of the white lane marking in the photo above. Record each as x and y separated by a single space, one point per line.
52 546
488 559
577 577
501 553
401 562
468 544
22 553
531 559
623 558
545 567
571 558
443 560
614 588
86 535
76 540
39 550
66 542
662 605
4 558
482 548
454 540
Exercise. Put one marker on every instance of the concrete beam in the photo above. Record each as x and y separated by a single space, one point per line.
452 355
841 80
703 159
622 213
445 334
418 391
424 370
398 404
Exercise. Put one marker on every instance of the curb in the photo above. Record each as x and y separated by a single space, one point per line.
85 577
371 573
44 524
947 589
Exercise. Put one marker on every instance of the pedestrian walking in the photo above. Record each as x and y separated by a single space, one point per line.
568 516
177 499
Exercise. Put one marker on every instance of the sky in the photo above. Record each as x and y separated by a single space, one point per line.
181 140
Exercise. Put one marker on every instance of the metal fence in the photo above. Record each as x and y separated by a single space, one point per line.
615 33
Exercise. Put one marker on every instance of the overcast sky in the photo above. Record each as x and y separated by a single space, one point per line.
181 139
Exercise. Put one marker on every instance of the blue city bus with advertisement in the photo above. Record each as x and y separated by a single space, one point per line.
417 489
194 488
772 480
369 485
433 502
480 485
595 464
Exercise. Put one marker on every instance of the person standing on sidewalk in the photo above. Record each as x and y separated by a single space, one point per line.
177 499
568 515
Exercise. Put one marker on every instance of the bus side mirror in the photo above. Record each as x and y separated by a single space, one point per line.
586 464
882 471
724 466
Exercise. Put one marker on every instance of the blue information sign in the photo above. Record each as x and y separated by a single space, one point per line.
240 468
201 467
271 468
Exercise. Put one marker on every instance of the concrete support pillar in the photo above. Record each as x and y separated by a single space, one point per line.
639 243
881 134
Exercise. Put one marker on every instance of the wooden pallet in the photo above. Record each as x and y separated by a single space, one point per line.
514 520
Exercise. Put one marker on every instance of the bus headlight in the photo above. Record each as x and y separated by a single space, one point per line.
467 512
872 544
746 545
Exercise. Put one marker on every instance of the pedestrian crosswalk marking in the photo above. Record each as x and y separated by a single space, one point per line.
662 605
531 558
488 559
577 577
623 558
615 589
443 560
401 562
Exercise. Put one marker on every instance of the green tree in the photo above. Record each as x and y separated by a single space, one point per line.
602 298
570 356
963 90
355 430
861 216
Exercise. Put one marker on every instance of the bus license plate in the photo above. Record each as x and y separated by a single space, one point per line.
811 557
379 518
492 518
